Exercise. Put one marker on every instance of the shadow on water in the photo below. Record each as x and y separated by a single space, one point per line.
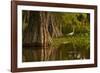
63 52
39 54
71 52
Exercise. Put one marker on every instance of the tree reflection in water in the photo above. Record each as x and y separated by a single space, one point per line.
64 52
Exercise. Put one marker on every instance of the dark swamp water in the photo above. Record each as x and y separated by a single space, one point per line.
63 52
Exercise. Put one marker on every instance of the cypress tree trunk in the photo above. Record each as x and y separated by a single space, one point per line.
37 34
56 32
37 29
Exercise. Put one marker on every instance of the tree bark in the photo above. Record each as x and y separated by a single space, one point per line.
37 32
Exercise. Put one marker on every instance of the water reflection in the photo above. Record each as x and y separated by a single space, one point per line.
63 52
39 54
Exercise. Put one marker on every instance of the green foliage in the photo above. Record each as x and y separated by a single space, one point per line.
78 23
79 41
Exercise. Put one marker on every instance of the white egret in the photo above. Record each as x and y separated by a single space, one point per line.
71 33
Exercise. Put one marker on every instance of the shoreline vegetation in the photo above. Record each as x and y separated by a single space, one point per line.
51 36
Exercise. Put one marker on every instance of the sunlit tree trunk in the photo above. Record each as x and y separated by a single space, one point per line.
37 32
56 32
